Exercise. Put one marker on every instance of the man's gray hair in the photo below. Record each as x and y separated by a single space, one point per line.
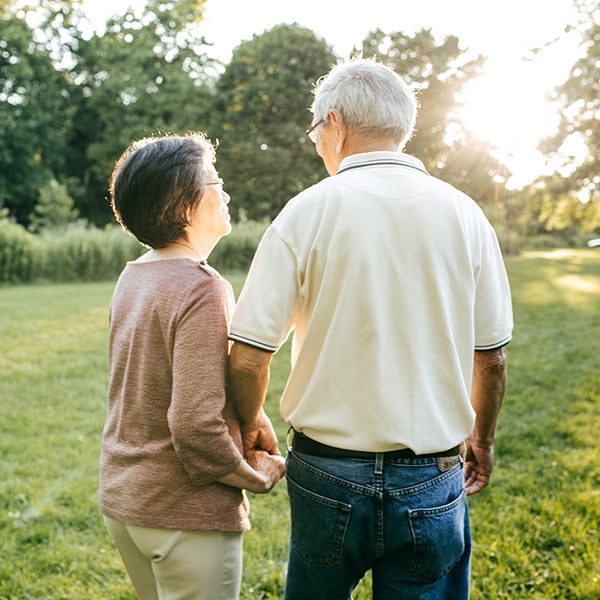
371 97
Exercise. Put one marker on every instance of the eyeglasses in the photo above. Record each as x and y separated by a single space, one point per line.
311 133
218 182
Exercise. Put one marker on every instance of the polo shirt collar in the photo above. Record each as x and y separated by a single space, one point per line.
372 159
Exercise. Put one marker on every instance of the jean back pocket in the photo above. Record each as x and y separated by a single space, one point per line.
319 526
439 539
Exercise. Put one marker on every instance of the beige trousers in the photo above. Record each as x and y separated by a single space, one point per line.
167 564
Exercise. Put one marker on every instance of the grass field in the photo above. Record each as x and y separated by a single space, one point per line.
536 528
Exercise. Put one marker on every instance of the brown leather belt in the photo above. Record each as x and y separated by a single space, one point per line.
306 445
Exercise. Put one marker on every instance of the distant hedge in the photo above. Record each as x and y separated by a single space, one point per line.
20 253
82 253
79 252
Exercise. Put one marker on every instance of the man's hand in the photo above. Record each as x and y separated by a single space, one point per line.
479 462
260 435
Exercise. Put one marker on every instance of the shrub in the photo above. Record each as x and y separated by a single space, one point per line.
19 255
510 242
235 251
81 253
55 208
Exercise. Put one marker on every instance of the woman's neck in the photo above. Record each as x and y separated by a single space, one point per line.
177 249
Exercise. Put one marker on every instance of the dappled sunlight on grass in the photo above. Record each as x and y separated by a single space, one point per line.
569 277
580 284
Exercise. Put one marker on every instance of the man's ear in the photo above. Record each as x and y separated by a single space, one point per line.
337 121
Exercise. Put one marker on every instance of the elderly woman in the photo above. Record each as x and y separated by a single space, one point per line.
172 466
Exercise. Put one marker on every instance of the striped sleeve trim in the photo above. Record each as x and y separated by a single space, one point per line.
494 346
235 337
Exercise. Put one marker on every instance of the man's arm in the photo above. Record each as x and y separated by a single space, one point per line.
247 380
487 394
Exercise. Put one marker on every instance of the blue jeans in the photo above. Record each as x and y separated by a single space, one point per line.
406 519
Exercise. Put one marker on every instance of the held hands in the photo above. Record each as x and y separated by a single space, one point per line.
271 468
262 453
479 462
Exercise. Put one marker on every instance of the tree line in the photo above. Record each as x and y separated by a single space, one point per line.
72 100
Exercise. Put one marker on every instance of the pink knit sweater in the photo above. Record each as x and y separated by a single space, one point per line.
169 434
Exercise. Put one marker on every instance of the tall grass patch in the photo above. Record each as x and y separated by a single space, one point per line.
19 254
78 252
535 528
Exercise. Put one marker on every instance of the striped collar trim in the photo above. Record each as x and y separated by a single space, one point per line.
375 162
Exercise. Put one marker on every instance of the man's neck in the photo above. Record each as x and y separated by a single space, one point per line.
359 144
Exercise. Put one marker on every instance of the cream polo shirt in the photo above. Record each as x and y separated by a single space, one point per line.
389 278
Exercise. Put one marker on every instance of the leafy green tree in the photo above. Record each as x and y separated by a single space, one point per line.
34 111
54 209
260 117
144 75
576 187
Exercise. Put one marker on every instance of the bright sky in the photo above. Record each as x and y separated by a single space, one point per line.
508 104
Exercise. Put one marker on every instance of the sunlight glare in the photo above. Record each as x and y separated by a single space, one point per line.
508 106
99 12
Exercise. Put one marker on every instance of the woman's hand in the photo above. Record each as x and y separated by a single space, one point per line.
271 467
258 473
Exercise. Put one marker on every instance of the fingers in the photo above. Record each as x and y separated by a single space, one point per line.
474 480
272 468
479 464
261 437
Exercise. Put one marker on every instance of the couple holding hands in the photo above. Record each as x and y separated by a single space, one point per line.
395 289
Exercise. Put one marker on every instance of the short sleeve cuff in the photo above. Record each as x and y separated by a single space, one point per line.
493 346
249 341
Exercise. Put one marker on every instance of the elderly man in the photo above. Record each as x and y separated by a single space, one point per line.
394 285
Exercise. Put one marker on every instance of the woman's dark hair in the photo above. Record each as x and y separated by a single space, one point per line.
155 184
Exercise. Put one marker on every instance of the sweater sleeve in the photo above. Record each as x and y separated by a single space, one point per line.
200 433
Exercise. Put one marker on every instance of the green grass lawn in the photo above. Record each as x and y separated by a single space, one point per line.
536 528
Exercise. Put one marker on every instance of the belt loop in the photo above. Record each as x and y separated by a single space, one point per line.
378 463
289 438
